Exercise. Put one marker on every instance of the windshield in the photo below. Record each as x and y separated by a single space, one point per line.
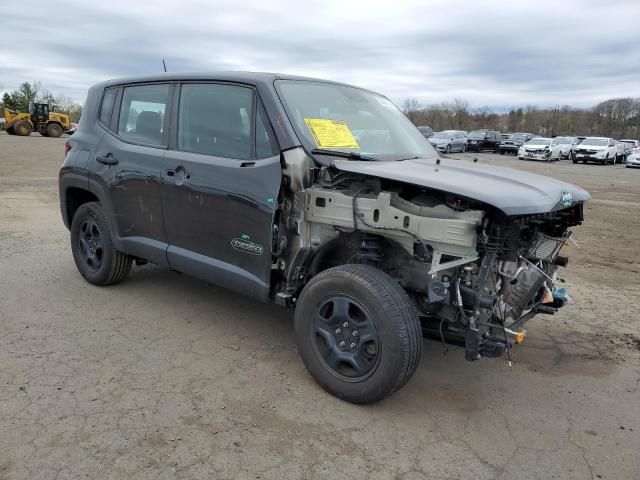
347 119
476 134
563 141
539 141
596 142
517 136
443 135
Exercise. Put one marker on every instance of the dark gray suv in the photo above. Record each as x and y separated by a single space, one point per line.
323 198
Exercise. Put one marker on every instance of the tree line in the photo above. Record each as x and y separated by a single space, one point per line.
29 92
616 118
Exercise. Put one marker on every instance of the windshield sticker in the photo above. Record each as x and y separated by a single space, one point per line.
245 245
331 133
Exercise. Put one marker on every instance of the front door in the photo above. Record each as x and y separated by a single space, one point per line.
129 160
220 187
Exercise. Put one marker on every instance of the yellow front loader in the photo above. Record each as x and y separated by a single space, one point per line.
39 118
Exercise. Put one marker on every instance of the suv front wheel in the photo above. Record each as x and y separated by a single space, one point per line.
96 257
357 333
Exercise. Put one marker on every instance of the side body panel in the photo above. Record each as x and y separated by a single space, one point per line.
218 214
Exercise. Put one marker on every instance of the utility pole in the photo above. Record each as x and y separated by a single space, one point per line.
556 109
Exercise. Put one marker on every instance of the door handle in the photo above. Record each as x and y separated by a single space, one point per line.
107 159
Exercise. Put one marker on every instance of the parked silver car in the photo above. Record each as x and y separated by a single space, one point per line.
425 131
567 146
449 141
633 160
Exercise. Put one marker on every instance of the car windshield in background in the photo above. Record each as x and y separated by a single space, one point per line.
517 137
336 117
476 134
539 141
563 141
443 135
596 142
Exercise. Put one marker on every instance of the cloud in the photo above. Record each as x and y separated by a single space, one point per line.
499 54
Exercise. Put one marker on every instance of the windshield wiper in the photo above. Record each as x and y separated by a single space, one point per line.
349 155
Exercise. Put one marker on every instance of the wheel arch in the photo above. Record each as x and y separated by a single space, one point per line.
74 198
77 189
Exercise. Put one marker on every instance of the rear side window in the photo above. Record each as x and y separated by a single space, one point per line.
217 119
106 108
142 113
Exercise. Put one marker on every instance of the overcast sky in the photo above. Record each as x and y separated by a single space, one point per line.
492 53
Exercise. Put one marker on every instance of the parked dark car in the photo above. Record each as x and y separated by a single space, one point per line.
320 197
479 140
513 142
427 132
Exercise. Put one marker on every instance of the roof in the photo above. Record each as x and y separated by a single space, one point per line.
252 78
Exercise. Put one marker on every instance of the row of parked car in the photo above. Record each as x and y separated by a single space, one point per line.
527 146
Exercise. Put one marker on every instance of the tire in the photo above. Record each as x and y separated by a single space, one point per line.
376 305
95 256
501 152
448 149
22 128
605 161
574 161
464 147
54 130
10 131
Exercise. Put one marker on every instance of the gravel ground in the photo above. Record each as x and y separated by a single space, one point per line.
164 376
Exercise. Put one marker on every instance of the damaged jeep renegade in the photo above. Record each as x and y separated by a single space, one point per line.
321 197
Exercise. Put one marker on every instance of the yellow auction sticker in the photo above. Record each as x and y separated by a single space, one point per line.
331 133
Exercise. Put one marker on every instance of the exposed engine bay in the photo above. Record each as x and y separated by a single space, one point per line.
475 274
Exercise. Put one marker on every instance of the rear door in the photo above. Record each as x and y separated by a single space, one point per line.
220 185
129 162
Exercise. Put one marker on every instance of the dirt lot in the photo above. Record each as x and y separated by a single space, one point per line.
164 376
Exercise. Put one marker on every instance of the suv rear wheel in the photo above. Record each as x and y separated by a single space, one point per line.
357 333
96 257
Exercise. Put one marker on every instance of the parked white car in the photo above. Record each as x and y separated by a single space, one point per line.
597 149
634 143
621 152
540 148
633 160
567 146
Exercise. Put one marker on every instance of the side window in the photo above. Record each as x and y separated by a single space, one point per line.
106 107
216 119
142 113
265 146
